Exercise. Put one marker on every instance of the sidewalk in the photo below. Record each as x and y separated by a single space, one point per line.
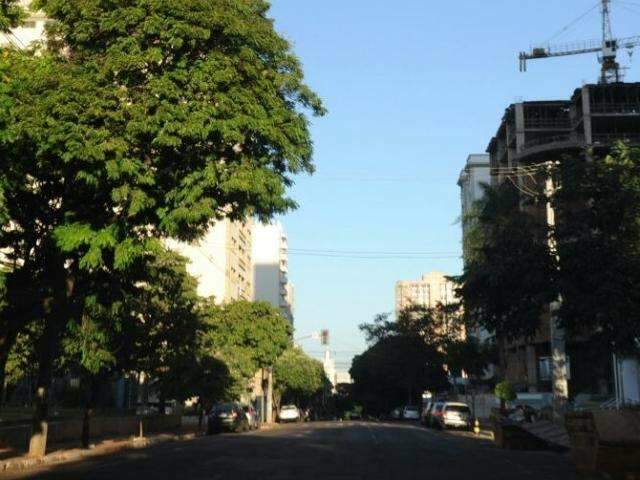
69 453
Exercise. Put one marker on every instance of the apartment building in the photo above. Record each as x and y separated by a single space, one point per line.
221 261
430 290
270 266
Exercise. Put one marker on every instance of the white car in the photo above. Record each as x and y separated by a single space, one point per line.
410 413
289 413
453 414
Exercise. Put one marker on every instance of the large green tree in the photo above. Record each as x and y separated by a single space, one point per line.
298 378
404 359
509 277
247 336
598 237
142 119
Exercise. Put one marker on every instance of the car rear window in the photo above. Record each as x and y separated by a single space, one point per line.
438 407
458 408
224 408
412 409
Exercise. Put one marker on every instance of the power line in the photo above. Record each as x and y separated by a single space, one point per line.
375 257
573 22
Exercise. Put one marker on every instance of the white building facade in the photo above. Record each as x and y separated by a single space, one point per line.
221 261
270 267
473 177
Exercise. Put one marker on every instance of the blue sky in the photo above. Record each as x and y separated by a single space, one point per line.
412 87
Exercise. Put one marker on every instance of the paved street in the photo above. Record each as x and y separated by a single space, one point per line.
340 451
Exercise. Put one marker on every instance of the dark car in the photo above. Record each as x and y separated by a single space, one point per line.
228 417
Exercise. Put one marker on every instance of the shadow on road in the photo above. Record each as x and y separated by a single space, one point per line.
323 450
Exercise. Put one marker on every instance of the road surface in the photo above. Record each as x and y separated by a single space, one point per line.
324 450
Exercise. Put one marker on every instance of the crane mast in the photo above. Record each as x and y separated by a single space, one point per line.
607 49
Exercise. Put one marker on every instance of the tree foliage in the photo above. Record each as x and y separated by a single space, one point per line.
11 14
138 120
298 378
404 359
598 237
247 336
510 276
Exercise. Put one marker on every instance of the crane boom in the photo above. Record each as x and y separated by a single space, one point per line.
607 48
577 48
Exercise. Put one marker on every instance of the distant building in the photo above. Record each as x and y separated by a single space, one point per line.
473 177
31 30
432 289
270 267
221 261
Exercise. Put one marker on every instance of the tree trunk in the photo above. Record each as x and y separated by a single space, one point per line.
40 424
3 377
57 311
89 403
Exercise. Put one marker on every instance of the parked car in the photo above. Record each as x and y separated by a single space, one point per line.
253 416
453 415
289 413
410 412
435 414
227 417
396 414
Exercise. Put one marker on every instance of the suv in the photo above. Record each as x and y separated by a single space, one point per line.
289 413
453 414
227 416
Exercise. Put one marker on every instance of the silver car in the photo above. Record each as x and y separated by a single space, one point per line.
454 415
410 413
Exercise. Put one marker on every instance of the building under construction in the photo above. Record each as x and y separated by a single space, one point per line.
596 115
531 133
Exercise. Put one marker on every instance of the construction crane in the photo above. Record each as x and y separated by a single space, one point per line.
607 49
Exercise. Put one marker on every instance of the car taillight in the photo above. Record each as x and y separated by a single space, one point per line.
234 414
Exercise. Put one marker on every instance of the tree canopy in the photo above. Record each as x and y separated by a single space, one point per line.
136 121
510 275
404 359
247 336
598 237
298 378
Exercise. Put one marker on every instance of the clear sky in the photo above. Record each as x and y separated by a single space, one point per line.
412 87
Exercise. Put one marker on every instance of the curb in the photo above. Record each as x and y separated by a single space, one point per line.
106 447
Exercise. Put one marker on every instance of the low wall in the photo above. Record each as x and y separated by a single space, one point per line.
70 430
481 404
605 442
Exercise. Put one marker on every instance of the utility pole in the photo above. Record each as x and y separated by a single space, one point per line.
559 371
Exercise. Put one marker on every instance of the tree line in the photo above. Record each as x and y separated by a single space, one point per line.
133 122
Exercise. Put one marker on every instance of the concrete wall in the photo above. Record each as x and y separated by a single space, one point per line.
62 431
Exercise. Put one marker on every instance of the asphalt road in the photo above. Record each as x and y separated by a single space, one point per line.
327 451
